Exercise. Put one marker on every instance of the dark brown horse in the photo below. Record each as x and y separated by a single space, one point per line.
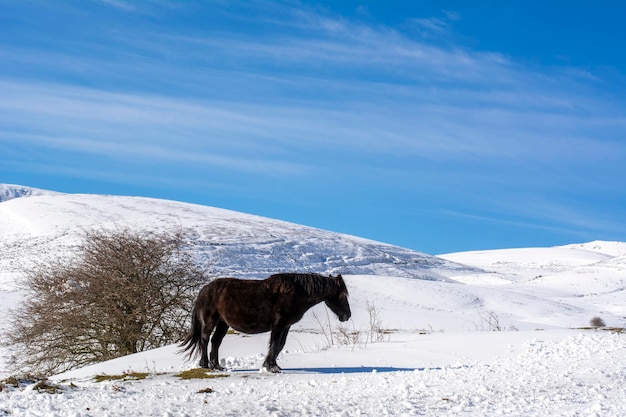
256 306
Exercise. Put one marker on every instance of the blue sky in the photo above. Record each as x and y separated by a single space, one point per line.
439 126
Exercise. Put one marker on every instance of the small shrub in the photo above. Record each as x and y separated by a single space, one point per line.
346 336
492 322
489 321
597 322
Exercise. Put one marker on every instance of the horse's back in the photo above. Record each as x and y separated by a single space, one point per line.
237 288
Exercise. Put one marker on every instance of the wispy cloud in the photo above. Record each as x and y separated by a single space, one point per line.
100 123
424 130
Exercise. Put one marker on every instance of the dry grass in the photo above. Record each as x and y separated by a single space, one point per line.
40 384
129 376
608 329
46 386
200 373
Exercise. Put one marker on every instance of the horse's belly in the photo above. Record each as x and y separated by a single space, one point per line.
249 327
243 328
248 323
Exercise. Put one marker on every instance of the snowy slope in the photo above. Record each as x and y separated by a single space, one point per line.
584 277
526 264
225 242
616 249
525 288
438 357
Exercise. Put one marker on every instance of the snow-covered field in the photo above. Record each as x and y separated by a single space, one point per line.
439 355
555 373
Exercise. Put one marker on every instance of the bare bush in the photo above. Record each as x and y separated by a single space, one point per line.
348 336
124 292
325 328
376 331
489 321
597 322
343 335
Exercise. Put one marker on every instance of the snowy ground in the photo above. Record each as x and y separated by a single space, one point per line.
449 367
439 356
542 373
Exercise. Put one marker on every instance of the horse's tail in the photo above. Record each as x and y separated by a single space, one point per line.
192 341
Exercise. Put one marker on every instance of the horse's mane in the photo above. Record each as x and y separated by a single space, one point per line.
312 284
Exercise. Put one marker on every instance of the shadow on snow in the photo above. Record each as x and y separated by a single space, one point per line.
339 370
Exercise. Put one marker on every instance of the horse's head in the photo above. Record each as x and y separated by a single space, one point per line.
338 301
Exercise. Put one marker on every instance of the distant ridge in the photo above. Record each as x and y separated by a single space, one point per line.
11 191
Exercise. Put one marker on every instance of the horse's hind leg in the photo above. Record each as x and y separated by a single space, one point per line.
220 331
207 328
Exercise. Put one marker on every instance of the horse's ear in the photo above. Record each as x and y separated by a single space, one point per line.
339 276
330 275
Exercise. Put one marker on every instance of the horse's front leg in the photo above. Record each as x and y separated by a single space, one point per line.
277 342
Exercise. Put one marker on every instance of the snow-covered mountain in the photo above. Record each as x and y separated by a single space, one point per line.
226 243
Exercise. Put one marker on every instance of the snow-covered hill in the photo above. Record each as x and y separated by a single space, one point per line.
225 242
525 288
440 355
577 278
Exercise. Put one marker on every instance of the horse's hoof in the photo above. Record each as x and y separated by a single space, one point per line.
275 369
216 367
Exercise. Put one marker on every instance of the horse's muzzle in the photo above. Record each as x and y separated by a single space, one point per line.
345 317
